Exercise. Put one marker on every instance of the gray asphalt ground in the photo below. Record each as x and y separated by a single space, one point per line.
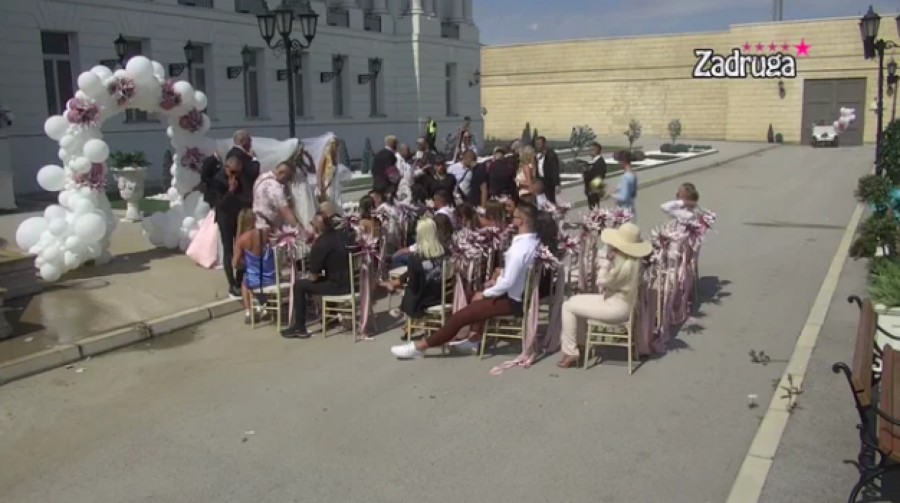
221 413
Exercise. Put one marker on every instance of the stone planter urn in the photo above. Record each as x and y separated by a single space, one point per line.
131 188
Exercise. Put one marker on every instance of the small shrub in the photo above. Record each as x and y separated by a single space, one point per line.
343 154
675 130
681 148
666 148
890 152
527 138
633 133
582 136
874 190
779 138
884 286
638 156
534 137
879 231
119 160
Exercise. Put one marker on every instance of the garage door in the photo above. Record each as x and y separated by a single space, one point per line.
822 103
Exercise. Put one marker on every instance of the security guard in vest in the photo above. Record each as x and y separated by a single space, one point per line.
431 134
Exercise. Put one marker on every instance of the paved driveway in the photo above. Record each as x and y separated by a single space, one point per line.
341 422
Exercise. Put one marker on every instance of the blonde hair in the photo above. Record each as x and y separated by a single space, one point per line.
428 244
526 156
246 221
327 163
239 135
624 276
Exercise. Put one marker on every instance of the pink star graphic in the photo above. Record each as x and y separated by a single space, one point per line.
746 46
759 47
785 46
802 48
772 46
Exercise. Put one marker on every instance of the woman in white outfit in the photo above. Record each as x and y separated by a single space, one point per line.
618 279
302 186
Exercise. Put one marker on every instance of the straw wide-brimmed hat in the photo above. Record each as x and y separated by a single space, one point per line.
627 239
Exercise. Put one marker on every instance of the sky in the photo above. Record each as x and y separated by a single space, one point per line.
524 21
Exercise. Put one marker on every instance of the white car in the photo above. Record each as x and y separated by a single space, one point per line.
824 135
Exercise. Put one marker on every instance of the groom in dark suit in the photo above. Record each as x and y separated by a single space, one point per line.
243 150
548 168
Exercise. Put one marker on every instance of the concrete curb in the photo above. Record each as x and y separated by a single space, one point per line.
126 336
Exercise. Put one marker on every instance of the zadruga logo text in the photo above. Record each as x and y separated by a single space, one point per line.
738 65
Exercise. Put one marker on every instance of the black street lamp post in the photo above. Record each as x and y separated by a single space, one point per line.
282 20
175 69
872 48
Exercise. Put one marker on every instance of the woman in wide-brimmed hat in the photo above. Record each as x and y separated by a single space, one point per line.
618 279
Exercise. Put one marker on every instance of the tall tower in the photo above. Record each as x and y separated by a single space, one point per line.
777 10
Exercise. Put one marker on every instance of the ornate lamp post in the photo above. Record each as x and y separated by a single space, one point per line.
175 69
282 20
121 48
872 48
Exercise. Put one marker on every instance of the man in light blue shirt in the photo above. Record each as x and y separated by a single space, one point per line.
626 191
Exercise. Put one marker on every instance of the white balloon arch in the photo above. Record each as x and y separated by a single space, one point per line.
78 229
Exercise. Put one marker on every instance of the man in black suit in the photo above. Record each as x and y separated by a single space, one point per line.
384 166
232 195
596 169
547 168
501 177
243 150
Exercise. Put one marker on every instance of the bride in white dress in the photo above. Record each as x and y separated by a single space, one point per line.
330 175
303 186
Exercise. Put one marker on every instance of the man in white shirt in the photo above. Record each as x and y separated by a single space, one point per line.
442 206
502 298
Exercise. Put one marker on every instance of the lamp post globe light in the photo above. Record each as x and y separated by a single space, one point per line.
121 48
281 20
873 48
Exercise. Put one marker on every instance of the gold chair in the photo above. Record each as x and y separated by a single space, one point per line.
436 316
334 307
622 336
509 327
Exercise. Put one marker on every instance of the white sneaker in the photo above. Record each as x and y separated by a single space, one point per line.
464 346
407 351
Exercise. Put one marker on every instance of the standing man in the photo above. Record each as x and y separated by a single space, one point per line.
232 196
431 133
384 163
593 190
243 150
472 184
501 178
548 169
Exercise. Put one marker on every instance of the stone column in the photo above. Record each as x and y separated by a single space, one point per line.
456 13
429 8
379 7
468 12
415 7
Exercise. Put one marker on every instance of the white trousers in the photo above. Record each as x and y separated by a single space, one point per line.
579 308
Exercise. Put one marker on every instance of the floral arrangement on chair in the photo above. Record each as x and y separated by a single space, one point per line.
546 258
606 218
350 219
287 238
82 112
558 210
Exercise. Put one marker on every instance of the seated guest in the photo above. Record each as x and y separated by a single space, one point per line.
502 299
494 215
439 179
465 217
445 229
685 204
253 252
366 221
443 205
429 252
618 279
594 177
329 273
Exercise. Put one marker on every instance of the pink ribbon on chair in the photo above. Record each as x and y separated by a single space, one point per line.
291 292
586 261
460 301
551 341
526 358
366 280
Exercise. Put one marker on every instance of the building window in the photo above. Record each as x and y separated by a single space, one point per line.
337 17
300 86
135 48
58 78
249 6
251 86
451 89
207 4
450 30
372 22
374 92
340 110
198 73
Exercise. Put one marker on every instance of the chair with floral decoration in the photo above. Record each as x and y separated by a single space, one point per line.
511 327
435 316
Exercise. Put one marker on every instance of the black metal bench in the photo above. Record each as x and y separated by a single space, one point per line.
879 431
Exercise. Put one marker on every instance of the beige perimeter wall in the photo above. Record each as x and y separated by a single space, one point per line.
604 83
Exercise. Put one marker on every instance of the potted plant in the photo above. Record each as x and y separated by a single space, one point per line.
675 130
130 171
633 133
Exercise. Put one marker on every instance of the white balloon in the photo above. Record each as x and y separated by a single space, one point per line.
63 155
120 73
102 72
170 132
52 255
67 140
81 164
188 223
50 273
29 232
73 243
206 125
59 227
201 211
171 241
200 100
90 83
51 178
90 227
172 194
139 67
82 206
71 260
96 150
56 126
93 250
64 198
186 90
851 118
54 212
159 71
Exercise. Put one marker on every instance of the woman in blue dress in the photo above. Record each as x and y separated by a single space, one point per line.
254 254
